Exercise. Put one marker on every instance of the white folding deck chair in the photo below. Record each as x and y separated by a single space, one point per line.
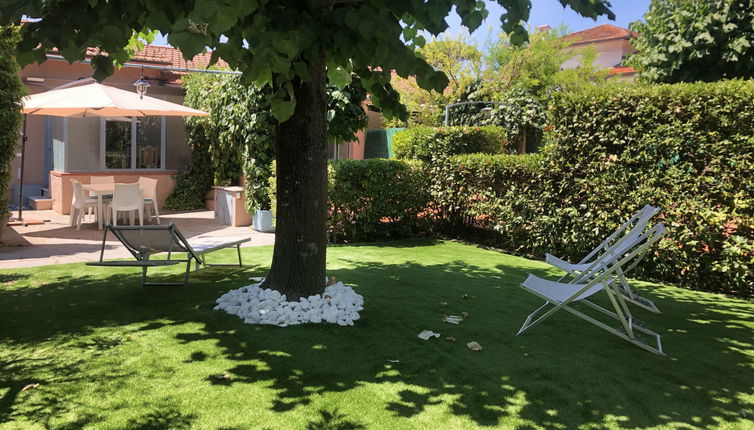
144 241
614 244
559 295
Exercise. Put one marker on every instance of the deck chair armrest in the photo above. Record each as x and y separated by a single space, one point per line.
204 248
139 263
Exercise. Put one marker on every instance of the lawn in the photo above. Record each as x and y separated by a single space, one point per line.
108 354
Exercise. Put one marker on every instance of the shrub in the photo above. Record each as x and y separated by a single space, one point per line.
192 185
488 192
11 92
375 199
428 143
687 148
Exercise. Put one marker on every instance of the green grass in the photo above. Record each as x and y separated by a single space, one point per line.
111 355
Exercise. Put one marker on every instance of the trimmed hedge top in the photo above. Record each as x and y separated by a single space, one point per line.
427 143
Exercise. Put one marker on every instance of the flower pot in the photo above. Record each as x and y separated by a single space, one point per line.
263 221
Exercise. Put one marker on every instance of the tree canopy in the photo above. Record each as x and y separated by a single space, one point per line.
270 41
292 48
695 40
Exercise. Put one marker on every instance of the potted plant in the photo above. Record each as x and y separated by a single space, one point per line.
263 221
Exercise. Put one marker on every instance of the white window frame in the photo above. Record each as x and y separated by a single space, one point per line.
103 146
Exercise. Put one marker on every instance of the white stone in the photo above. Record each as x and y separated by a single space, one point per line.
339 304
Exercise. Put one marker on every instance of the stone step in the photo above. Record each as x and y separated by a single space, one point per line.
40 202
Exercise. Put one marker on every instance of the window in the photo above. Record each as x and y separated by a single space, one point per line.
132 143
148 139
117 144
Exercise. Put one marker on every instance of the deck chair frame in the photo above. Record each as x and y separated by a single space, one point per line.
603 275
177 238
637 224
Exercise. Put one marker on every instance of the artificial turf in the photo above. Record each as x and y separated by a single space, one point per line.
108 354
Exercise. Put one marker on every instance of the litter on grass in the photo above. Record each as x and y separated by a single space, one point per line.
452 319
474 346
427 334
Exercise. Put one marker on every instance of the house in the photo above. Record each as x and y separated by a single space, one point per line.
59 150
612 43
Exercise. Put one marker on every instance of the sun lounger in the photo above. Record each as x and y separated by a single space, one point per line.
144 241
560 295
616 243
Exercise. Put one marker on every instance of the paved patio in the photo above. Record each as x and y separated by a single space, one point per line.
57 242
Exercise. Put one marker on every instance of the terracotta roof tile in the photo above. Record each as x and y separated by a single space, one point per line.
169 57
600 33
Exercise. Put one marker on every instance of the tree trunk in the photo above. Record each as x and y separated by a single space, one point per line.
298 262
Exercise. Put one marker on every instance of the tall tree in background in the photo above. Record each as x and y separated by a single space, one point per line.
291 46
459 59
455 56
695 40
537 64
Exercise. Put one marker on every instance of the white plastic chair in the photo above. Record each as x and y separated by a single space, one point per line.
616 243
102 180
80 204
600 277
149 192
127 198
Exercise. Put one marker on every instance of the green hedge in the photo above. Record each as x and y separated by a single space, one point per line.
687 148
428 143
488 192
375 199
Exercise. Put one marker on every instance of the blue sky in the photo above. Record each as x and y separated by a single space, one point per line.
552 13
543 12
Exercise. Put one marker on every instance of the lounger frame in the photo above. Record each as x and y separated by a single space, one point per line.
604 274
178 245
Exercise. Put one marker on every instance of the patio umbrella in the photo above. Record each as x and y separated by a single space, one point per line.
93 100
101 100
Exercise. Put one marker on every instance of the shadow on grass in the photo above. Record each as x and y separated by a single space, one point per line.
164 418
562 373
333 420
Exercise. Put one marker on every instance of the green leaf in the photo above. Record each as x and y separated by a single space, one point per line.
286 46
282 109
338 76
103 67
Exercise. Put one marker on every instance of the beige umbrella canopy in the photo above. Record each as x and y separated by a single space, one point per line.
93 100
101 100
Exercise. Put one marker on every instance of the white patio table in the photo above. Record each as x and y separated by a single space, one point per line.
101 190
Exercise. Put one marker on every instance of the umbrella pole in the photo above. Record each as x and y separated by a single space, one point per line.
21 177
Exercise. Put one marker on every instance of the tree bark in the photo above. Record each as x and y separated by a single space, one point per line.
299 257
